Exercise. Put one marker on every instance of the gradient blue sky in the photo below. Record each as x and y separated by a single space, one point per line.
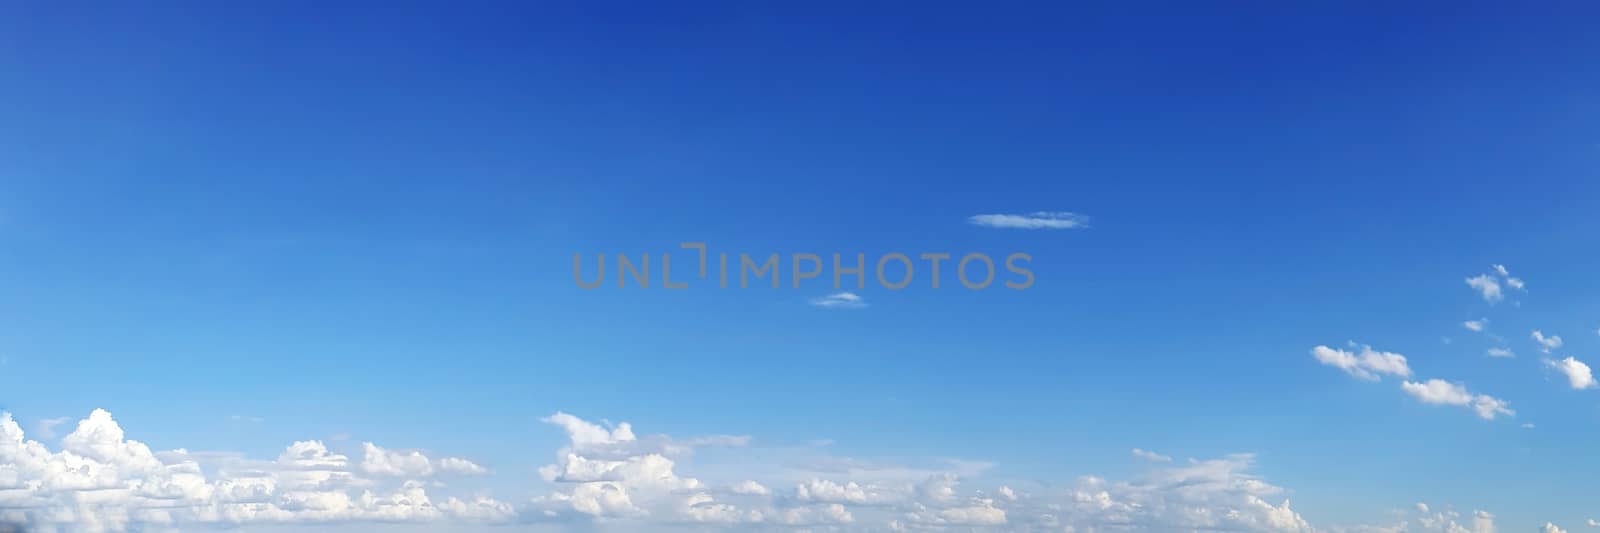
236 226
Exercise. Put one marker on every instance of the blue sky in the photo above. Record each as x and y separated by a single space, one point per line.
240 226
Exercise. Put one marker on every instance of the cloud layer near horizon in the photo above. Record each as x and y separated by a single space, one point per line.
609 478
100 480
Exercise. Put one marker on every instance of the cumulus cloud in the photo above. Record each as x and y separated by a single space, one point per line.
750 487
604 475
1035 220
101 481
1578 374
1482 521
379 461
639 485
1367 364
382 462
1425 518
1441 392
840 300
1476 325
459 466
1546 343
1551 528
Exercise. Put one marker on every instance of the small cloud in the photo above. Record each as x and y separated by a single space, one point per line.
47 427
1515 283
1500 352
1422 507
1037 220
1441 392
750 487
842 300
1151 456
243 418
1487 286
1528 425
1366 365
1546 343
459 466
1476 325
1578 374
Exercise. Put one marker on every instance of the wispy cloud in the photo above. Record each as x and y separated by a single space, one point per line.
840 300
1151 456
1500 352
1513 282
47 427
1036 220
1476 325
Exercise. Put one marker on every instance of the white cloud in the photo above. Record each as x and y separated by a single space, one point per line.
1578 374
586 434
1438 391
841 300
1151 456
1441 392
47 427
1368 364
100 481
604 477
1500 352
1476 325
827 491
1551 528
1482 522
1593 523
751 487
381 462
1512 282
1425 518
1546 343
1036 220
463 467
1488 287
